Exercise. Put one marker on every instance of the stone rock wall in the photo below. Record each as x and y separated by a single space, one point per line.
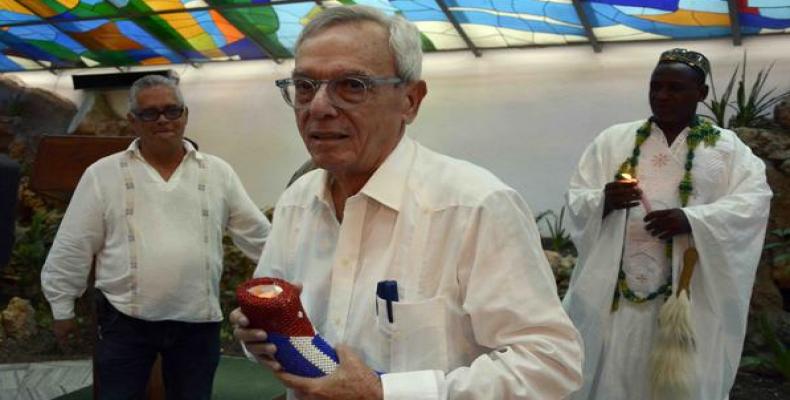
19 319
771 295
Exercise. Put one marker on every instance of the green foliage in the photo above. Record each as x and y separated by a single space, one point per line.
777 357
751 104
33 241
718 105
560 240
781 247
237 269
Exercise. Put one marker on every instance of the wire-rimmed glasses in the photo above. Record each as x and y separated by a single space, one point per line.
343 92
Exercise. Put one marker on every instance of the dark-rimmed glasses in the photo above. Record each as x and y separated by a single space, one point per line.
171 113
344 92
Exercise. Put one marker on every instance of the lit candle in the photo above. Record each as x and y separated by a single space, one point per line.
265 291
626 177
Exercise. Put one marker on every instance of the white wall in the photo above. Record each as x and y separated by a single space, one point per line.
524 114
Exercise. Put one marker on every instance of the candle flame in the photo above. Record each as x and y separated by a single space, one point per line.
265 291
625 177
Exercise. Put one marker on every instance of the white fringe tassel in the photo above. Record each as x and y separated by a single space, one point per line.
672 357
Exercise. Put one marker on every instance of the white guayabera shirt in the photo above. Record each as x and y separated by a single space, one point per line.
478 316
157 243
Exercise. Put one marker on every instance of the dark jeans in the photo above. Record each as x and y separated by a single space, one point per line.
127 347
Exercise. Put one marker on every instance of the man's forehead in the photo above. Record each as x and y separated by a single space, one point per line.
161 93
674 70
360 45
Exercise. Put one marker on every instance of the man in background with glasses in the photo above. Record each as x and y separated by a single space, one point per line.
476 313
153 217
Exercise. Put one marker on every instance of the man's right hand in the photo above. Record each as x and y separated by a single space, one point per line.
65 331
254 340
620 194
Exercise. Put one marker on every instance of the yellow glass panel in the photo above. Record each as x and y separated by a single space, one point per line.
155 61
13 6
691 18
202 42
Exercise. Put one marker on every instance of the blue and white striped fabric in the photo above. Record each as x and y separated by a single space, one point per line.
308 356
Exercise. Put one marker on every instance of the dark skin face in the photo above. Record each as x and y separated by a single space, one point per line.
675 90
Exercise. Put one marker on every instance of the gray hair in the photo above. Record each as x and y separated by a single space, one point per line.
404 38
150 81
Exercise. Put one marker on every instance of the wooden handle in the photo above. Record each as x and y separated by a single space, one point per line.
690 257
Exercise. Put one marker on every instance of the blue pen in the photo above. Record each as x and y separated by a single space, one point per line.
387 291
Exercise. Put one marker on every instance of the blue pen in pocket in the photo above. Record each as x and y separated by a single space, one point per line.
387 291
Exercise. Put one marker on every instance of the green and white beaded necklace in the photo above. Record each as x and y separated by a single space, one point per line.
702 131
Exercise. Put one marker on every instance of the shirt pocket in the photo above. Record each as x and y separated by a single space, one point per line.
417 337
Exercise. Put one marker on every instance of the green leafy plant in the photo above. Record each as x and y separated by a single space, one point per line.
718 105
559 239
751 107
777 356
752 103
781 247
237 268
32 244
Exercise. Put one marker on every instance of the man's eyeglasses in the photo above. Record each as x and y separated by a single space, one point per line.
171 113
345 92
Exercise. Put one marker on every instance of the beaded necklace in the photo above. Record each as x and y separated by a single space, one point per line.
701 131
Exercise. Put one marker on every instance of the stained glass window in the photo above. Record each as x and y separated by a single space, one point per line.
86 33
764 16
658 19
492 23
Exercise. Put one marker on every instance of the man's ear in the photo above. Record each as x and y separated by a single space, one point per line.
415 92
703 93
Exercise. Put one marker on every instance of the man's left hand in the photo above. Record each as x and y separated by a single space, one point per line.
352 380
664 224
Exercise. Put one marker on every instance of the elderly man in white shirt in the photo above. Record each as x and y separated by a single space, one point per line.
153 217
478 316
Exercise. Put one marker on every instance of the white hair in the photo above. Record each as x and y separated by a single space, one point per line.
404 38
150 81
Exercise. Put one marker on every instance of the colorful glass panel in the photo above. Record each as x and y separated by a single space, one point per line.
764 16
277 26
202 36
11 60
80 33
614 20
46 44
508 23
118 43
13 12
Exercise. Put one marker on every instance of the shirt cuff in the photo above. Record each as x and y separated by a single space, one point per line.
415 385
62 309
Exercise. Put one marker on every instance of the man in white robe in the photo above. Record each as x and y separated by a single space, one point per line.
615 233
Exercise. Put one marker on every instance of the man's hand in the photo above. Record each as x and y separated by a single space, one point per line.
254 340
352 380
65 331
664 224
620 194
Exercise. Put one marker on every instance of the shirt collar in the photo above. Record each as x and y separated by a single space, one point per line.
679 139
134 149
388 182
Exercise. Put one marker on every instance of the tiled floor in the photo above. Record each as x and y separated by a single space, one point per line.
43 381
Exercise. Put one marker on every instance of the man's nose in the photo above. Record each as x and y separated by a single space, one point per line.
322 104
